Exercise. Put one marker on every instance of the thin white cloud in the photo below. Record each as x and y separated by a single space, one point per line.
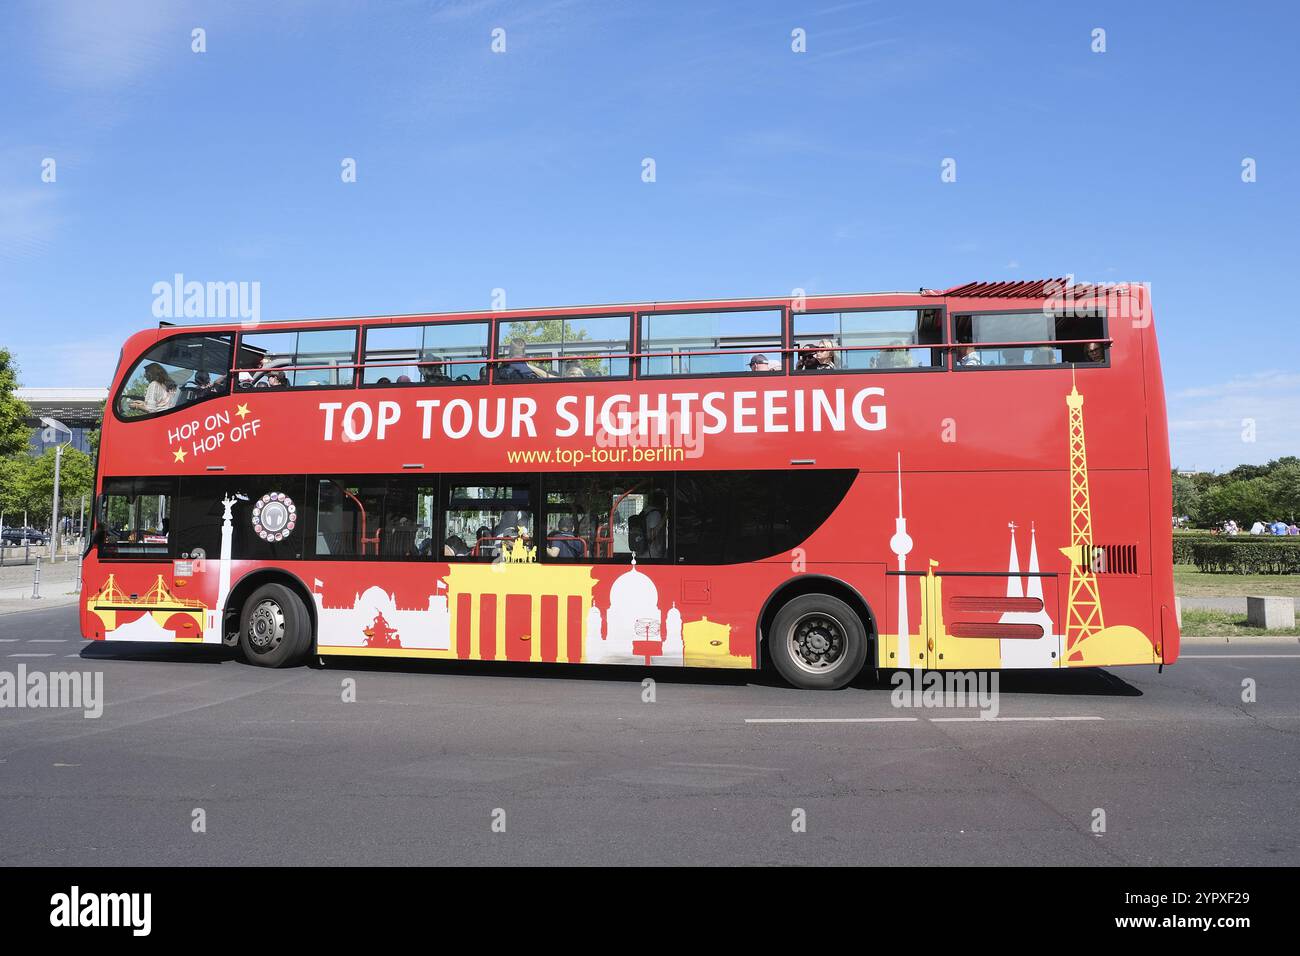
92 45
1247 419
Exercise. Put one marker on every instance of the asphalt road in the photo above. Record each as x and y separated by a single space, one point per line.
287 772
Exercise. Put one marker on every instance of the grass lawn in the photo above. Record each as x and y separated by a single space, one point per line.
1224 624
1188 582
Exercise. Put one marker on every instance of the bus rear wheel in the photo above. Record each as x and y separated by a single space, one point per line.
817 642
274 627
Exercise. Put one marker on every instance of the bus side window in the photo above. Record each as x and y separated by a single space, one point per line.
314 358
176 372
868 339
1048 339
712 343
607 518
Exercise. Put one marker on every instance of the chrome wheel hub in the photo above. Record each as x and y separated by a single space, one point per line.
266 626
816 643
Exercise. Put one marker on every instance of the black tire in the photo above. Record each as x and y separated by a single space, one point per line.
274 627
817 642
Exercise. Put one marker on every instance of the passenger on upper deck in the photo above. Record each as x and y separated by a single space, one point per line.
1095 352
967 356
819 355
161 393
759 363
520 368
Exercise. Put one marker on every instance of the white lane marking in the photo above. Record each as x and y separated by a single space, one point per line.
8 640
47 640
1230 657
829 720
948 720
904 720
31 655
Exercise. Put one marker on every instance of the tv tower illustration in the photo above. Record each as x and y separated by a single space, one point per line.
901 545
213 631
1083 609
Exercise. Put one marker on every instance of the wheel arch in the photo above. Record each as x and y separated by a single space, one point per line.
253 580
816 584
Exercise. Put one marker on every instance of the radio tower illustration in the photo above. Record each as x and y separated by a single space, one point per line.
1083 609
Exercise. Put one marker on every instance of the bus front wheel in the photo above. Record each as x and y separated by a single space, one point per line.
274 627
817 642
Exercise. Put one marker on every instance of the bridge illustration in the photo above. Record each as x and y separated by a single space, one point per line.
183 616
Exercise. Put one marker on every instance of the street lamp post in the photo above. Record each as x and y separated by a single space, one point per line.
52 428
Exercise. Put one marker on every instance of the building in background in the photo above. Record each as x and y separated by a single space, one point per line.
78 408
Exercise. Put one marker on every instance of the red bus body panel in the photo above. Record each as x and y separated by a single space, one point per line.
992 467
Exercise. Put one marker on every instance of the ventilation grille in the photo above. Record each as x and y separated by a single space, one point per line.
1026 632
1109 558
996 605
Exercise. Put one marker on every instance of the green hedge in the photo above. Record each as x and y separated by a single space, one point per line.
1239 554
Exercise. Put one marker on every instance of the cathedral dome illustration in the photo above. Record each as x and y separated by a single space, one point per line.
633 604
634 590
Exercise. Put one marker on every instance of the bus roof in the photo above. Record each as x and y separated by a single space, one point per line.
1023 289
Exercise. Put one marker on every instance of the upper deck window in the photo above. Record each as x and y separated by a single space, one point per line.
711 343
1037 338
868 339
176 372
320 358
426 354
594 347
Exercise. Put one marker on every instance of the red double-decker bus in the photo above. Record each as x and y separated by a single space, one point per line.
969 478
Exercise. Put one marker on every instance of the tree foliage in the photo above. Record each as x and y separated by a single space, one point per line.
27 484
14 430
1246 494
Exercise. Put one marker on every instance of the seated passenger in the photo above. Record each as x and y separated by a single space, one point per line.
403 380
161 393
573 369
1096 352
1043 355
564 544
759 363
455 547
817 356
519 367
647 531
967 356
434 371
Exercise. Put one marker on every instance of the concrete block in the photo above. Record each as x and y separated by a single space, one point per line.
1272 613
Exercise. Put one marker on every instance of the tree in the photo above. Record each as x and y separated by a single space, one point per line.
15 486
76 477
1243 501
14 430
1187 496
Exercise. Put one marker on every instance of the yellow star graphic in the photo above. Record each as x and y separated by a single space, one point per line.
179 455
242 411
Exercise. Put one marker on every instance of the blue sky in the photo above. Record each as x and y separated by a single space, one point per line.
774 170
